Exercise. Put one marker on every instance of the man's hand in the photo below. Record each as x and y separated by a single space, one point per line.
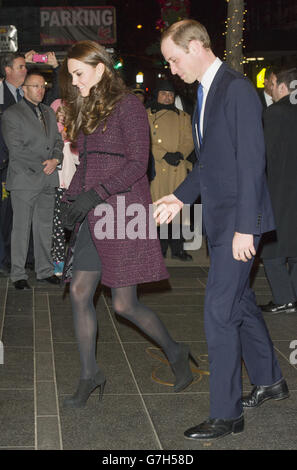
50 166
29 56
243 247
168 207
52 60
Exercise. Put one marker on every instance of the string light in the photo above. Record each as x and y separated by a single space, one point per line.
233 23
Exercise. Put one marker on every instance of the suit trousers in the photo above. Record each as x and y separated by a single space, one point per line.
235 330
282 276
34 209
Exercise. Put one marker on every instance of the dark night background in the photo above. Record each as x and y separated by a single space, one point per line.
132 12
271 27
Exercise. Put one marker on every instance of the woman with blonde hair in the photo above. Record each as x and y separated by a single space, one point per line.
110 128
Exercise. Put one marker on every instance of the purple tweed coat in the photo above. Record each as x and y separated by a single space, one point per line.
114 162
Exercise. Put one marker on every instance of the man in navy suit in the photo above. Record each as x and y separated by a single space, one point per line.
230 177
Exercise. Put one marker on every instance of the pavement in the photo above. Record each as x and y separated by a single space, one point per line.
139 410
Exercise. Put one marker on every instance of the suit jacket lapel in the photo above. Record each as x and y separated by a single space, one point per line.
29 112
207 108
211 96
26 109
9 99
46 118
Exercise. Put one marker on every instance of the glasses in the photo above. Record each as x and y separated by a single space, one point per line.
43 87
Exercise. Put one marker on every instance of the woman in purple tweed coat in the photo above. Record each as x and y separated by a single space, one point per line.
110 128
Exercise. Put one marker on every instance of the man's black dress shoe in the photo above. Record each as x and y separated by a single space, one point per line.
52 280
182 255
261 393
271 307
21 284
215 428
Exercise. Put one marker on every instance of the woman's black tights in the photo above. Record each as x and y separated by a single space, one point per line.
82 290
126 304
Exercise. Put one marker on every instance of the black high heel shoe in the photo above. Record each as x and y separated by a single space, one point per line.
181 368
84 390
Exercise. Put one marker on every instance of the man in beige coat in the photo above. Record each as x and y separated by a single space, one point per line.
171 144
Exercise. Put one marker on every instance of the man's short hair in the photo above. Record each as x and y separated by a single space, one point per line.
33 72
7 61
286 77
185 31
269 71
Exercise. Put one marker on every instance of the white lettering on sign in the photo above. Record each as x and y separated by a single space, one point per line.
80 17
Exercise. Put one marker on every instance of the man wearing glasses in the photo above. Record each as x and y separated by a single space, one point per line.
35 149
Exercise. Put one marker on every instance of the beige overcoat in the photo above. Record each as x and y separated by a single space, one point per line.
170 132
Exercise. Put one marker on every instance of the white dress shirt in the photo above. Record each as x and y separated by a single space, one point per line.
268 99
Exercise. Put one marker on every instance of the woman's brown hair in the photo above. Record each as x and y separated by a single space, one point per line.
86 113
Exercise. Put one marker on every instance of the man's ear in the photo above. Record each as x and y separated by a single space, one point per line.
195 46
7 69
283 89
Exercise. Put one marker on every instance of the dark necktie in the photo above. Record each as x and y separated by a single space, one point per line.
199 107
18 95
40 117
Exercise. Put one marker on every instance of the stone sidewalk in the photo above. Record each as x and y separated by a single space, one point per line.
139 410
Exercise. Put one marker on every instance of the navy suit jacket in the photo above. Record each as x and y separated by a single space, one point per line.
230 170
7 99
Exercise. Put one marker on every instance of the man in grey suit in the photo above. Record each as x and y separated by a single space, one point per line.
35 149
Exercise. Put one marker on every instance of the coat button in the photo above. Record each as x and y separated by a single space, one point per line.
159 141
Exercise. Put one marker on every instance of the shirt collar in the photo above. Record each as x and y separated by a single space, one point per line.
268 98
210 73
31 105
13 89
